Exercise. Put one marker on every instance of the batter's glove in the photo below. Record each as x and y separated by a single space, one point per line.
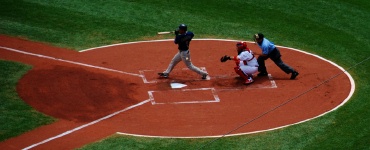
176 32
225 58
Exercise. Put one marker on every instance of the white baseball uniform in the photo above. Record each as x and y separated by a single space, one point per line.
247 62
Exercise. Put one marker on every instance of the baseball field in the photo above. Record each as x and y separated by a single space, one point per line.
336 30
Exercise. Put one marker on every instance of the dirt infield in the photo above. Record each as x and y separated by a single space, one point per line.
102 91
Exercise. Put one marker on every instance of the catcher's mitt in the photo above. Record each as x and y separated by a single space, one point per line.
225 58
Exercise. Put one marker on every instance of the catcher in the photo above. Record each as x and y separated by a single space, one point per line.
246 63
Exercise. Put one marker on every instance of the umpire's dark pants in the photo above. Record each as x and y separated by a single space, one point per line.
276 58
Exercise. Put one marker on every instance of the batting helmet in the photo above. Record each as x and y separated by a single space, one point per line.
183 27
241 45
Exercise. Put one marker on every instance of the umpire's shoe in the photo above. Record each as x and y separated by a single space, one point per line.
262 74
163 75
294 75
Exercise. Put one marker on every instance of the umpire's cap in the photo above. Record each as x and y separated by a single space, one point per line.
258 36
183 27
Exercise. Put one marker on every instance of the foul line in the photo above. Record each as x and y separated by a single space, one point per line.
68 61
85 125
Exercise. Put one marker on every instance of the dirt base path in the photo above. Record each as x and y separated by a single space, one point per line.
106 90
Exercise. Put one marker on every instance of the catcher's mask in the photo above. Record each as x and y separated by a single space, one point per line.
241 45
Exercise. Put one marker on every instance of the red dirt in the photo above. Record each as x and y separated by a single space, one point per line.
77 95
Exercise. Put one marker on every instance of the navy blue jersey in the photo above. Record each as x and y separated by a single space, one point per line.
183 40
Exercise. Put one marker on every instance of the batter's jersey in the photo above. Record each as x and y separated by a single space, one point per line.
183 40
247 59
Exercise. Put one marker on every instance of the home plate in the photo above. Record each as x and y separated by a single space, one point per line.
177 85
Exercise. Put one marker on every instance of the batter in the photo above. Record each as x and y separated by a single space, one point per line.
182 39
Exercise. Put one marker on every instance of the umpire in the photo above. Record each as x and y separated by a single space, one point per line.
269 50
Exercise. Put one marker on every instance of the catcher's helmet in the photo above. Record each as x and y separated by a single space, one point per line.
183 27
241 45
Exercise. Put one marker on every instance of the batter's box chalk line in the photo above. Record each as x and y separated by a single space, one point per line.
173 100
272 81
155 80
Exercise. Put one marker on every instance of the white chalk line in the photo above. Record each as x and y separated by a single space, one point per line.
68 61
153 41
227 40
272 81
213 90
105 46
85 125
145 80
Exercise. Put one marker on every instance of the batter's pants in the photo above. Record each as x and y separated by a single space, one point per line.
275 56
185 57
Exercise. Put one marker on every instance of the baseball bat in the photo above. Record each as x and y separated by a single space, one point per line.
165 32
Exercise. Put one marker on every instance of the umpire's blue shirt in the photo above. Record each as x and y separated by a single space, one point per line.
266 46
183 40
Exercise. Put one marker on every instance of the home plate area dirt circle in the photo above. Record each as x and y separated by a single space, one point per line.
115 89
186 106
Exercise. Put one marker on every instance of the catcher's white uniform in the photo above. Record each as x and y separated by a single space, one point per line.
247 62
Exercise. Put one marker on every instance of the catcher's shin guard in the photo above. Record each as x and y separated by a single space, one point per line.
241 73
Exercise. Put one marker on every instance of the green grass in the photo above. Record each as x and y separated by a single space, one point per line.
16 117
337 30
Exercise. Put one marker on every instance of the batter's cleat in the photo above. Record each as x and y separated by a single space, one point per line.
204 77
163 75
294 75
262 74
249 81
